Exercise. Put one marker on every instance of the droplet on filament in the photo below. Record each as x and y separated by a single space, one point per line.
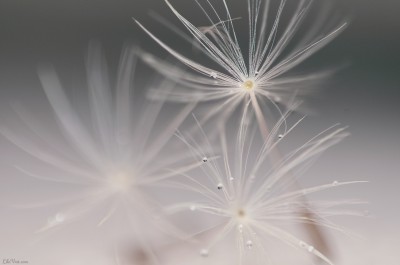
204 253
249 244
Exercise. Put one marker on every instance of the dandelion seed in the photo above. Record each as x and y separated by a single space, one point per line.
115 150
261 74
259 201
59 218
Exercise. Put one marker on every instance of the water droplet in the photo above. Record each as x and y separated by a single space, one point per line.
257 72
310 248
56 219
240 228
249 244
335 183
303 244
252 178
213 74
220 186
205 159
192 207
248 85
59 218
231 178
280 136
277 98
204 253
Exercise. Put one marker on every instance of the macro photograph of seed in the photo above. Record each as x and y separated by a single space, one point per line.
190 132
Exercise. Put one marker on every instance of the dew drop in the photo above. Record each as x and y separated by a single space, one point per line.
280 136
192 208
56 219
303 244
252 178
231 178
306 246
310 248
205 159
59 218
204 253
240 228
213 74
249 244
335 183
220 186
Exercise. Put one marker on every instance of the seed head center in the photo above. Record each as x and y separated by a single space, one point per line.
120 182
241 213
248 85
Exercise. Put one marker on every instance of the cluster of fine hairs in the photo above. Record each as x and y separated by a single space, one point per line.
193 171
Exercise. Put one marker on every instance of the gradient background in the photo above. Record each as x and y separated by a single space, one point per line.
364 95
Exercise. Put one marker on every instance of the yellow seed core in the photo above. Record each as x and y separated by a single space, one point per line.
248 85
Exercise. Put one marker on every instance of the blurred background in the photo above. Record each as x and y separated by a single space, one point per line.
364 95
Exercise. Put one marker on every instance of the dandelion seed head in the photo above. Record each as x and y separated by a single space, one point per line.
275 50
57 219
258 201
115 149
